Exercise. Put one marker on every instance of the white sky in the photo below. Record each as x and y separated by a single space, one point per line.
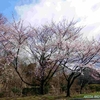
87 12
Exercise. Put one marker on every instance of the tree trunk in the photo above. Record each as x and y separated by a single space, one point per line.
42 88
68 90
81 90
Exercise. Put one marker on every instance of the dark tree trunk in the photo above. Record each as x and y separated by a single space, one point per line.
81 90
82 86
68 90
42 88
70 81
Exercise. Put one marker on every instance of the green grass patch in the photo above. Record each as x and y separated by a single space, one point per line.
88 95
60 97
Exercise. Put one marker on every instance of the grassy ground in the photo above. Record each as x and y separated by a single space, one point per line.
94 96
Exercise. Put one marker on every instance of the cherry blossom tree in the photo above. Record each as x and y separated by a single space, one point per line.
52 46
49 45
3 19
81 54
12 40
46 48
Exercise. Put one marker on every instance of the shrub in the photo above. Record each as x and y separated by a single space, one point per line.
63 87
95 87
30 91
16 90
1 94
46 89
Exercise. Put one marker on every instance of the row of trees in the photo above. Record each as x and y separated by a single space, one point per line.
52 47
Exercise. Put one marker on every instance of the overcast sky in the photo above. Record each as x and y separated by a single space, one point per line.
38 12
